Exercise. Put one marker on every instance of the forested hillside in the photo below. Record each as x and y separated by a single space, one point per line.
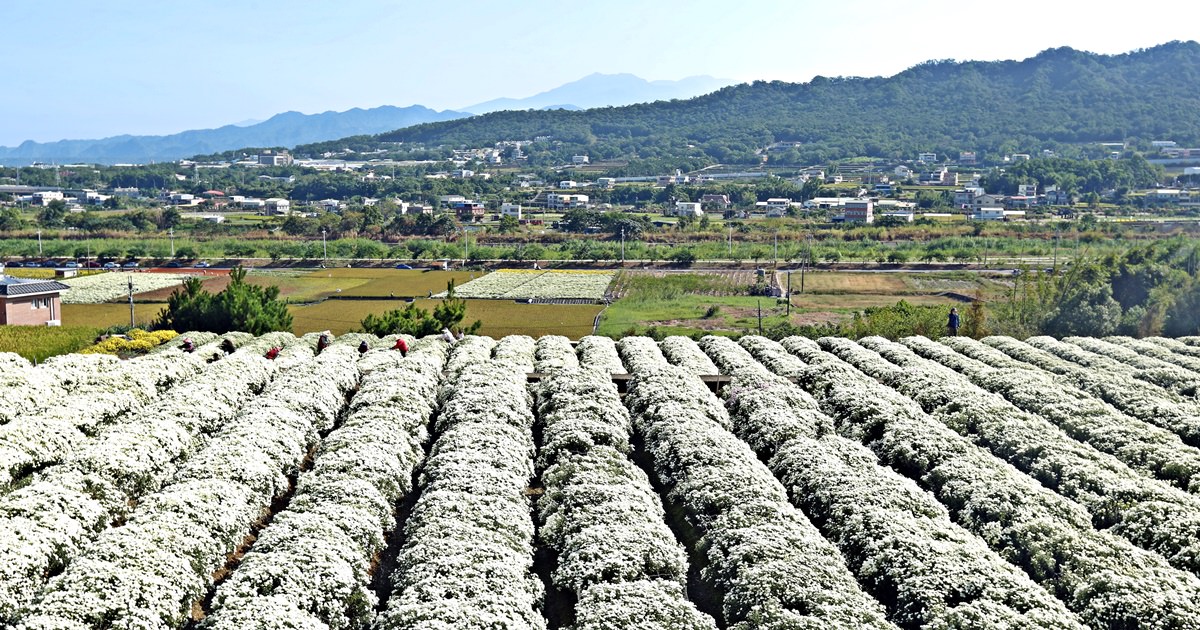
1058 97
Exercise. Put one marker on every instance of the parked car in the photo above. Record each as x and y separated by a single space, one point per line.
32 263
201 265
71 264
50 263
91 264
403 266
174 264
111 265
130 265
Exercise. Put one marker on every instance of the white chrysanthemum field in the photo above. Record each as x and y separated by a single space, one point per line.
521 483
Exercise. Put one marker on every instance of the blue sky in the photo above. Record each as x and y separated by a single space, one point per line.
88 69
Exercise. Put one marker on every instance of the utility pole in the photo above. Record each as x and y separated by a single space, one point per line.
171 233
39 242
1055 266
131 322
622 245
731 243
759 311
324 247
775 256
789 291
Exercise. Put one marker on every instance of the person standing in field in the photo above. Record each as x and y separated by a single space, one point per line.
402 346
953 323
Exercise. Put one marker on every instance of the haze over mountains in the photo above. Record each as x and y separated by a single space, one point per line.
292 128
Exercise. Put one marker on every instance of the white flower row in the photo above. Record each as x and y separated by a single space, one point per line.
149 572
771 564
1114 385
1146 348
311 567
1100 577
1039 445
102 287
684 352
30 442
640 354
469 351
599 353
554 352
1175 345
517 350
1159 372
599 512
897 539
1138 444
516 284
199 338
29 390
468 551
47 521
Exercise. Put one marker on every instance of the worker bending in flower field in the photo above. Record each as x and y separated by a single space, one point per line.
402 346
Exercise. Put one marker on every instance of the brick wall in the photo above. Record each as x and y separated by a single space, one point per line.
19 311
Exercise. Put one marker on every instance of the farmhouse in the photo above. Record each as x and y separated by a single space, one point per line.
30 302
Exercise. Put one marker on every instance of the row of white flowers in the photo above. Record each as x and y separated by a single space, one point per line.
29 389
468 548
149 572
554 352
599 512
1175 345
1111 381
469 351
1146 348
311 567
102 287
769 563
1153 370
685 353
513 284
1102 578
640 354
517 350
1149 413
36 440
897 539
1036 443
65 505
599 353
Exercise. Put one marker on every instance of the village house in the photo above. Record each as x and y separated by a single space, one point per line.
30 302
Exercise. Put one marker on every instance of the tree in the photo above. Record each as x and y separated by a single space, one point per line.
53 214
240 307
11 220
508 224
418 322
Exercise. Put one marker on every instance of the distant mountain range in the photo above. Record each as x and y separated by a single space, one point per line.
604 90
293 128
282 130
1059 97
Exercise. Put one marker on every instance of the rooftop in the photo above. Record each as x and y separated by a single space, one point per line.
20 286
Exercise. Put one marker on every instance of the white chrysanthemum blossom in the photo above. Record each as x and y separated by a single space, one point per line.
102 287
554 352
131 576
468 550
1098 576
684 352
763 554
599 353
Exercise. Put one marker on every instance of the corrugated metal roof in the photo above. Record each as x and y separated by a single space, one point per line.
17 286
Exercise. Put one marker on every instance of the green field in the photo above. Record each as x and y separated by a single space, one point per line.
105 315
499 317
384 283
36 343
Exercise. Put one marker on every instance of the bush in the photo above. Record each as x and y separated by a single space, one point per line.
240 307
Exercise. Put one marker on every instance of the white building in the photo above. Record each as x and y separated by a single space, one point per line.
927 158
511 210
686 209
276 205
563 200
568 183
579 159
996 214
